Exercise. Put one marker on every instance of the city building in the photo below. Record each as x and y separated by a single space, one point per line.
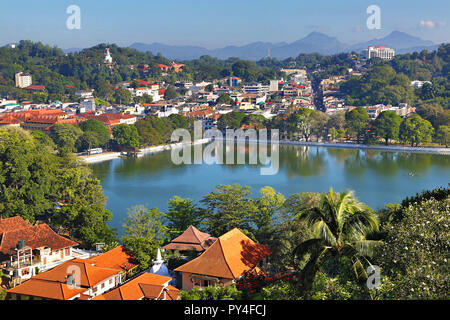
25 248
379 52
23 80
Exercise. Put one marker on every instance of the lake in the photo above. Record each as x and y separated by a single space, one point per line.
377 177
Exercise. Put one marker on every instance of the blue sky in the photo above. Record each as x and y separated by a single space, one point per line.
213 23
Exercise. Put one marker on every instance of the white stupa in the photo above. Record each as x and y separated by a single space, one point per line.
159 267
108 58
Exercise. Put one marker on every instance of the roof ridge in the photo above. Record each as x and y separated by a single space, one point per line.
224 257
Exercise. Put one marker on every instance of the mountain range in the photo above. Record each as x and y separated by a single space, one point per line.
314 42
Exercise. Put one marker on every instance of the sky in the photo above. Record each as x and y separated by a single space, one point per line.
213 24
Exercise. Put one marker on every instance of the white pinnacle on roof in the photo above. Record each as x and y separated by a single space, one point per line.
158 266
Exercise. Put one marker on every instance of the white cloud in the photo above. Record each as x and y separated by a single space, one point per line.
432 24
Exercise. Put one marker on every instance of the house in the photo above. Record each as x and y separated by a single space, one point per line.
25 247
191 240
146 286
225 261
77 279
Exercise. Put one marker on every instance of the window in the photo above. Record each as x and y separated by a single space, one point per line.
110 281
103 285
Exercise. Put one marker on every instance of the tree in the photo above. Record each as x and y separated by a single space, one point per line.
228 207
443 135
357 121
33 179
301 123
387 125
170 93
268 203
224 99
212 293
416 130
98 129
126 135
181 214
340 224
144 233
209 88
65 135
122 96
414 256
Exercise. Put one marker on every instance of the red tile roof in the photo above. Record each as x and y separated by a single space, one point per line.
13 223
46 289
191 239
146 285
34 237
228 257
117 258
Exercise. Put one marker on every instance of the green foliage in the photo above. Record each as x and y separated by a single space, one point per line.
414 257
144 233
65 136
99 130
231 120
379 85
33 178
212 293
126 135
170 93
181 214
415 130
357 121
387 125
340 224
228 207
224 99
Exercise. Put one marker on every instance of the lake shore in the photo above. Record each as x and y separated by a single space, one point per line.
106 156
149 150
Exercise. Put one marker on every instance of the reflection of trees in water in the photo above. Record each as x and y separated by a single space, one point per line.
302 161
160 162
341 154
389 163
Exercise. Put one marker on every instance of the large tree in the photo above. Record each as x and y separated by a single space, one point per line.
357 121
415 130
387 125
144 233
341 224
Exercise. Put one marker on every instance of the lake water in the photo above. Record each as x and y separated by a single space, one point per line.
377 177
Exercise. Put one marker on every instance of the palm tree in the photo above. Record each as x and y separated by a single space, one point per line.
340 223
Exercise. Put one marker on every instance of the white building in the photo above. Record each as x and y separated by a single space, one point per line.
23 80
159 267
85 94
273 87
379 52
418 84
257 88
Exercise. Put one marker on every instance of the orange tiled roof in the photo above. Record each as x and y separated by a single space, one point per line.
89 275
146 285
46 289
35 237
228 257
13 223
117 258
191 239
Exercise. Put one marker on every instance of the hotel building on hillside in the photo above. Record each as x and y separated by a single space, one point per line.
379 52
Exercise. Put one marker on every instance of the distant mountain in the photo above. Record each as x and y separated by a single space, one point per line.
72 50
170 51
396 40
313 42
